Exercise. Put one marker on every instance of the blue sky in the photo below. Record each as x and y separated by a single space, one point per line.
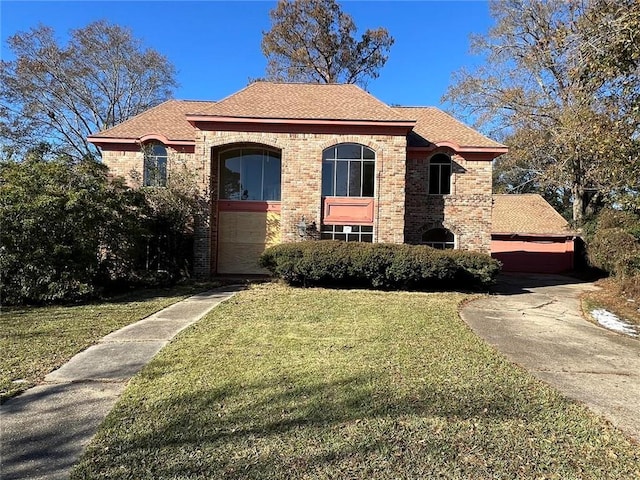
215 45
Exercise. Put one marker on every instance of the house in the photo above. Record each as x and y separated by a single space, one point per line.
528 235
278 161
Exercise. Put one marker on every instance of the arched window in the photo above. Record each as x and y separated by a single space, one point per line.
155 165
348 170
250 174
439 238
440 174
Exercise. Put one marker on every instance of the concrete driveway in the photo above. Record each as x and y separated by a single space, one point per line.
537 322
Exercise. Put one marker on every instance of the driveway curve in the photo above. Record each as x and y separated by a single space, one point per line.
537 323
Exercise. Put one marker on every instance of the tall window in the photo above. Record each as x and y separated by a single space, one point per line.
250 174
348 170
440 174
439 238
155 165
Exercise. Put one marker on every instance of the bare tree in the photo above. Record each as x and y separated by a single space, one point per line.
63 93
313 41
561 85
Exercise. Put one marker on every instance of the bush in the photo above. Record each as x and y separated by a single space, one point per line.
68 232
378 265
614 244
58 217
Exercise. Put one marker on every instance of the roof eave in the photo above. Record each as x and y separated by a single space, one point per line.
497 150
536 235
194 118
145 138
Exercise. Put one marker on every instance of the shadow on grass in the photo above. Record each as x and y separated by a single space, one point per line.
288 427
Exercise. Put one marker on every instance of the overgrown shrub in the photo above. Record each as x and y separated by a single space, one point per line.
57 219
614 244
69 232
377 265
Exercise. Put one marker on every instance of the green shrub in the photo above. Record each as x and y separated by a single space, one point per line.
69 232
58 220
614 244
377 265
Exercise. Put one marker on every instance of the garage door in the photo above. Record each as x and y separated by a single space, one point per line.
242 237
534 254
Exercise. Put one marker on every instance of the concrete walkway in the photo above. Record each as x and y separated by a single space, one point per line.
44 430
537 322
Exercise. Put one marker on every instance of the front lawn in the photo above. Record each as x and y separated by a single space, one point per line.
283 383
36 340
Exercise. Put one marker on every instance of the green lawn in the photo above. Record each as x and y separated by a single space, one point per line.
36 340
283 383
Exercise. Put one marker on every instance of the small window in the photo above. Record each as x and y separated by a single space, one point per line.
440 174
155 165
439 238
348 170
250 174
347 233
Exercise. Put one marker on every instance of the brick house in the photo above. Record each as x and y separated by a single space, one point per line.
276 157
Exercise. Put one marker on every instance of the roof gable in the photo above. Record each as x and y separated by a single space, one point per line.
166 120
433 126
526 214
303 101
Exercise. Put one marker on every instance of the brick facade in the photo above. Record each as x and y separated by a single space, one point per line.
466 211
302 180
301 121
403 208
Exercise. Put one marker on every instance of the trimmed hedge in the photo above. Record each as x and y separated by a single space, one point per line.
378 265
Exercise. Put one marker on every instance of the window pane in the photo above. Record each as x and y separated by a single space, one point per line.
340 236
272 173
327 178
355 179
329 153
434 178
326 236
368 179
445 179
159 150
367 228
353 237
368 154
349 151
161 171
342 178
367 238
251 175
230 178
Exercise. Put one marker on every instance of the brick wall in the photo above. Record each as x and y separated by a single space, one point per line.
466 211
399 176
302 179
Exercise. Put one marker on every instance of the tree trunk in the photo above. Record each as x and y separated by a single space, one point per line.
577 191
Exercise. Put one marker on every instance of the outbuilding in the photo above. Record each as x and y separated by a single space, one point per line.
529 235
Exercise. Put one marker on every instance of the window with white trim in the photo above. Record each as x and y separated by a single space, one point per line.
348 170
348 233
155 165
440 174
439 238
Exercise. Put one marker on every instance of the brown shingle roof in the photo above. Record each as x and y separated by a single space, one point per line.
303 101
167 119
436 126
526 214
297 101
